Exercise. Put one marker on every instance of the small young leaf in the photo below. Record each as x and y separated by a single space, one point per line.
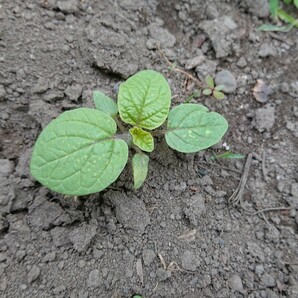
269 27
197 93
210 82
105 104
143 139
191 128
286 17
227 154
219 87
76 154
207 91
218 94
140 169
144 99
273 6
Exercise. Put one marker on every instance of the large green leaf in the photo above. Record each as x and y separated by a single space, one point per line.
191 128
140 169
77 153
143 139
144 99
105 103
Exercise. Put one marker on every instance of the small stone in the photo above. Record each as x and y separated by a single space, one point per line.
208 67
267 281
97 254
227 79
272 234
20 255
33 274
82 236
194 62
2 92
74 92
265 118
163 274
41 86
2 257
259 8
6 167
44 215
105 272
235 283
53 95
294 189
68 6
50 257
3 283
266 50
93 279
23 286
189 261
162 36
195 208
148 256
131 211
242 62
81 264
59 290
259 269
151 44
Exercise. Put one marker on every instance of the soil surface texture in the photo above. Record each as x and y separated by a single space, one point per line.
198 227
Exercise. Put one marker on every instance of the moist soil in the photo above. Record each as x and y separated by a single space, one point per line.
180 235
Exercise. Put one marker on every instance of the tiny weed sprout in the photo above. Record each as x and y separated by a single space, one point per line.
278 14
212 89
84 150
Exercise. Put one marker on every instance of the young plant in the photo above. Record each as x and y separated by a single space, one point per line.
82 151
215 91
278 13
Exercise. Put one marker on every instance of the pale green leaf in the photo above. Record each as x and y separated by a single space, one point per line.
229 155
144 99
191 128
105 103
77 153
273 6
286 17
219 87
143 139
218 94
210 82
207 91
296 3
140 169
269 27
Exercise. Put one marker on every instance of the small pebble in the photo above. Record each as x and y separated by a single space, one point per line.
227 79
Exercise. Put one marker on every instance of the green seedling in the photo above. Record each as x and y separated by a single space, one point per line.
212 89
279 14
84 150
227 154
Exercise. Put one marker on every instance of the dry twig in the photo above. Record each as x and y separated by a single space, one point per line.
236 197
172 66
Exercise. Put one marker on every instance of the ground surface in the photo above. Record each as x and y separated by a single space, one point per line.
178 236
